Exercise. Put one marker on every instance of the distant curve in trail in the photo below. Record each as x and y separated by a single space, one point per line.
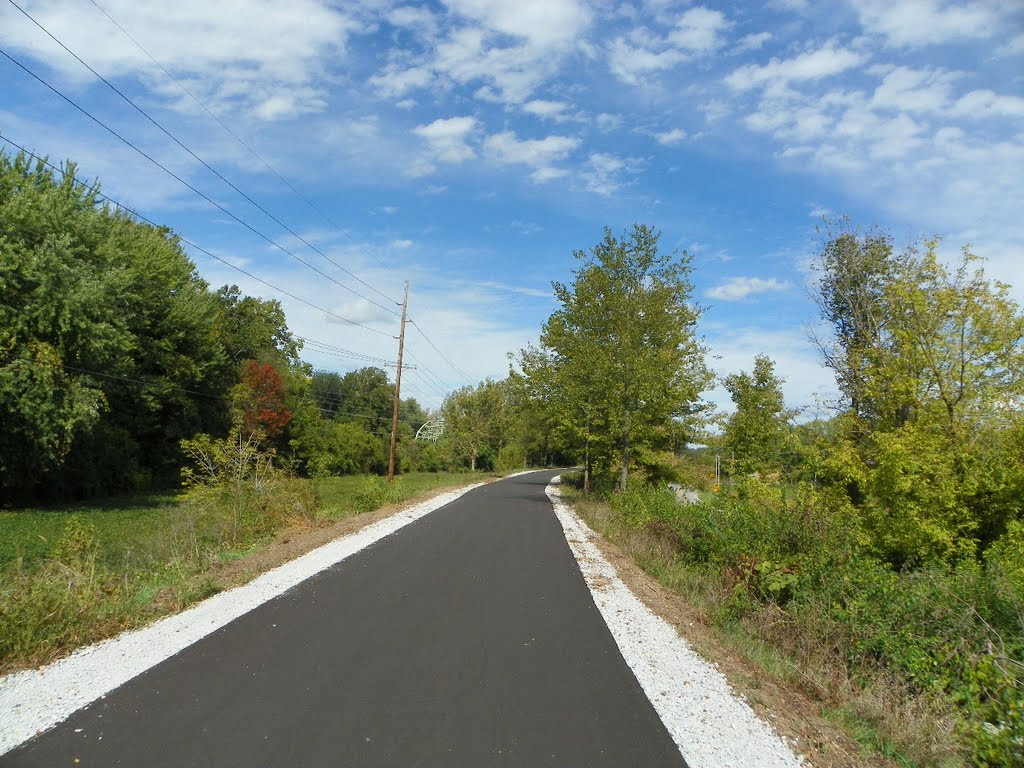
468 637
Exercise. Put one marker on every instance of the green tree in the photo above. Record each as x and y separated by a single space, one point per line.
114 308
478 422
928 449
757 432
619 361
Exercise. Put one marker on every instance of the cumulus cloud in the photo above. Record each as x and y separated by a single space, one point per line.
542 23
673 136
699 30
822 62
539 154
917 23
630 63
447 138
740 288
548 110
265 63
603 173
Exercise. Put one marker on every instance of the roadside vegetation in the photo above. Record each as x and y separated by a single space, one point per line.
873 555
72 575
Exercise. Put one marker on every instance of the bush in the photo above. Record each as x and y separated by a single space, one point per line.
375 493
64 602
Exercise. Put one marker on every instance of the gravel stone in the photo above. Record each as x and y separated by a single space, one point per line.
711 725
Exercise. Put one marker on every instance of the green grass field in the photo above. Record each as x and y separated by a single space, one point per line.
76 574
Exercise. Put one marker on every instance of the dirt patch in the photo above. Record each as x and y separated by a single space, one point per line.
789 710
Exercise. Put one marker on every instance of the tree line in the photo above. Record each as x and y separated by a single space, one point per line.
113 350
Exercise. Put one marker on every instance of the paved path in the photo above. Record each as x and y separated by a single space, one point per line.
467 638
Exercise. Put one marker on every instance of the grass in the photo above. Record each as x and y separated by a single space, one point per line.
122 524
878 712
73 575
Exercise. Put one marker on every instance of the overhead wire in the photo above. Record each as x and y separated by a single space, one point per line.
431 385
237 138
220 176
442 355
208 395
193 245
185 183
329 347
434 377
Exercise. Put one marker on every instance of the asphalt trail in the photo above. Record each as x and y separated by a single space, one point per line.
467 638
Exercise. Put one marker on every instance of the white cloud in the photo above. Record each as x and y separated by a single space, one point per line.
630 63
542 23
509 47
699 30
916 23
603 174
265 61
548 110
539 154
914 90
447 138
752 42
402 245
673 136
608 122
740 288
396 80
984 104
418 19
813 65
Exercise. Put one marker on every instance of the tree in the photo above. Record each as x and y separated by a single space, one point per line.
757 432
114 308
620 360
259 400
934 374
477 422
853 272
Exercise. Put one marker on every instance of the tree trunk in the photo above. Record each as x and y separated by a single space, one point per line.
624 474
472 463
586 470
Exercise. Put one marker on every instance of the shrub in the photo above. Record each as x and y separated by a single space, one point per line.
375 493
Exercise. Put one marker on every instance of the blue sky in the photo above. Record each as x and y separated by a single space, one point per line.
471 146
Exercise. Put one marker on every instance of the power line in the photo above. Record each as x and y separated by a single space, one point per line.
237 138
194 392
217 173
187 184
428 383
325 348
432 378
453 366
196 247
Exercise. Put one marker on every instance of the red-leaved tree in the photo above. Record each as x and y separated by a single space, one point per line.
259 398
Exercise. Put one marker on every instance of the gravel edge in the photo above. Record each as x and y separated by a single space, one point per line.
711 725
35 700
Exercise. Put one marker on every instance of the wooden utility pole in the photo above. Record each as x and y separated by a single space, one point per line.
398 389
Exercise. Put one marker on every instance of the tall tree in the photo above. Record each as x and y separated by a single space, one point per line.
478 422
853 272
114 308
620 359
756 432
935 386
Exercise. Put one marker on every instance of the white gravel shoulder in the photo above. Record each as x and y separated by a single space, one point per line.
35 700
712 726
